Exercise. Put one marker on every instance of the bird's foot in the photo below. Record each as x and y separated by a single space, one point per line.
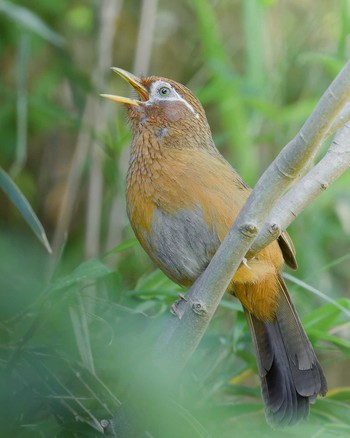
245 263
182 297
174 307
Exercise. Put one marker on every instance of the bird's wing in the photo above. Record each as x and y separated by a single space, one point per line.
288 250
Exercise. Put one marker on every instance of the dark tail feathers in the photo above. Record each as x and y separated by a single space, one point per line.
291 376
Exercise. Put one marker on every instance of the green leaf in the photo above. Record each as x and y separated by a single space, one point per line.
340 394
27 19
159 294
331 338
82 334
334 410
90 270
23 206
122 246
240 328
196 427
317 292
323 318
156 280
332 63
226 85
231 304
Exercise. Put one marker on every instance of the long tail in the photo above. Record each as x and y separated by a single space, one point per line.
291 376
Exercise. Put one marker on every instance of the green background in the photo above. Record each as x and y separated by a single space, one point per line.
76 325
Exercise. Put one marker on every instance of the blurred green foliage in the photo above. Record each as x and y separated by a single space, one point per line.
76 329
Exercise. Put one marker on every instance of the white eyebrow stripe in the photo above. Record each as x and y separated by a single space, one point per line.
157 84
185 102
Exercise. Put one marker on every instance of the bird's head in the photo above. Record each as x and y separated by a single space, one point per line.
165 108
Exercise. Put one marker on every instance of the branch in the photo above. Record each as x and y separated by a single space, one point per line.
342 118
332 165
183 334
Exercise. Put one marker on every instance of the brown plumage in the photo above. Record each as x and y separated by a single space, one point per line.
182 198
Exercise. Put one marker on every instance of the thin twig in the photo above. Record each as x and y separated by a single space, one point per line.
108 14
22 105
145 37
74 180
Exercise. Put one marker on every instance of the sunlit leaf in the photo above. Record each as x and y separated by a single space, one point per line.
342 394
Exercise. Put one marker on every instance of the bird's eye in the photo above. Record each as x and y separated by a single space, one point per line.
164 91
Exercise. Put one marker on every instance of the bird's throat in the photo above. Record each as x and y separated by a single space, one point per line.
145 163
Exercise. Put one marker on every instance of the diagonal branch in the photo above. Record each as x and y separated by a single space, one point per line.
183 334
342 118
333 164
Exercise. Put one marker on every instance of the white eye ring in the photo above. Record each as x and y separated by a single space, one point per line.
164 91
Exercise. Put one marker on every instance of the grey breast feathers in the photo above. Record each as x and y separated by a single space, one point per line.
182 243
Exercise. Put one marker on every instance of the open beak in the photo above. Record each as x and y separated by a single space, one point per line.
135 83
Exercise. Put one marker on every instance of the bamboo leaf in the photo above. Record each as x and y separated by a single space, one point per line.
23 206
28 20
123 246
156 280
90 270
317 292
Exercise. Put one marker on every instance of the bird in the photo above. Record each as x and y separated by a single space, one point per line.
182 197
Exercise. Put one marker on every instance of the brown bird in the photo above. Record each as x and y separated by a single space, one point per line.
182 198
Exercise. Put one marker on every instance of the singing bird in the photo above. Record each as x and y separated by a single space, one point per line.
182 198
